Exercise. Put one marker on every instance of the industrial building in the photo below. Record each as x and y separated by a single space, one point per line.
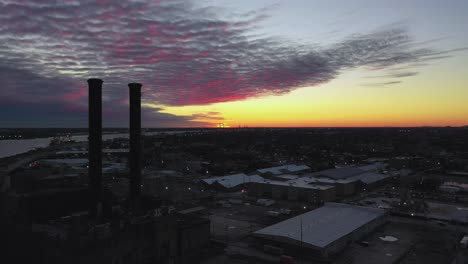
85 222
293 191
295 183
231 182
290 168
323 232
361 177
343 187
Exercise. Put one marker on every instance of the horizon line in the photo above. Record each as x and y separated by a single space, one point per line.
238 127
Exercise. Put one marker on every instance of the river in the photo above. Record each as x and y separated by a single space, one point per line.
13 147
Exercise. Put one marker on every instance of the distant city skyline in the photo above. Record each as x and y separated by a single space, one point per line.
259 63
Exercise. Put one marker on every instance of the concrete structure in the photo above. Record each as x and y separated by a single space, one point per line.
323 232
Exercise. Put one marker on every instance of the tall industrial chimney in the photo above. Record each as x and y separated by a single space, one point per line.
135 143
95 144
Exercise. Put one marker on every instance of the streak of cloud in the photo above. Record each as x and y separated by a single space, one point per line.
381 84
395 74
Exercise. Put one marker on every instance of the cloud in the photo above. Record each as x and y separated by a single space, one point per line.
14 113
382 84
210 116
184 54
31 100
395 74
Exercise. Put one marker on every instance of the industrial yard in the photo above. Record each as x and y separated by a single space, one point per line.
252 207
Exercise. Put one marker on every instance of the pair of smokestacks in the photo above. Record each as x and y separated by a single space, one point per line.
95 144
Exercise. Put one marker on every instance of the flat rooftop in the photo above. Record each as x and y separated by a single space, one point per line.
231 181
290 168
322 226
298 184
338 173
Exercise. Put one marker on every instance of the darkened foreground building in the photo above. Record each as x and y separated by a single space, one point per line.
155 238
85 223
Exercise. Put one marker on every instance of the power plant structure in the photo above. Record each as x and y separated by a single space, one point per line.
95 144
135 144
84 222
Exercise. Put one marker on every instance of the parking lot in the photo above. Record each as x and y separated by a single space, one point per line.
235 222
415 243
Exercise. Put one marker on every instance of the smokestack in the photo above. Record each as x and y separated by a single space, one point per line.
95 143
135 142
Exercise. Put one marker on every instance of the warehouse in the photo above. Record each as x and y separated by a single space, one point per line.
291 168
323 232
370 179
292 191
231 182
350 179
338 173
343 187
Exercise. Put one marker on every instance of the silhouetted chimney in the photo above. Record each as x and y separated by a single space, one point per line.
135 142
95 143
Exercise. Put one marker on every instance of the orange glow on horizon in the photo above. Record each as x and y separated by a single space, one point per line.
435 97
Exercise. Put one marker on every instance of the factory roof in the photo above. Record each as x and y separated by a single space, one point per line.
232 181
372 167
321 226
339 173
287 177
369 177
284 169
313 178
299 183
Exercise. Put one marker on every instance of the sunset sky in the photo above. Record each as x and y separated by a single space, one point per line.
255 63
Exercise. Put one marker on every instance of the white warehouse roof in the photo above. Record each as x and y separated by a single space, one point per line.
339 173
284 169
369 177
232 181
321 226
299 184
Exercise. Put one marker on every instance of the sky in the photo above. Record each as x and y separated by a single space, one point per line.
261 63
